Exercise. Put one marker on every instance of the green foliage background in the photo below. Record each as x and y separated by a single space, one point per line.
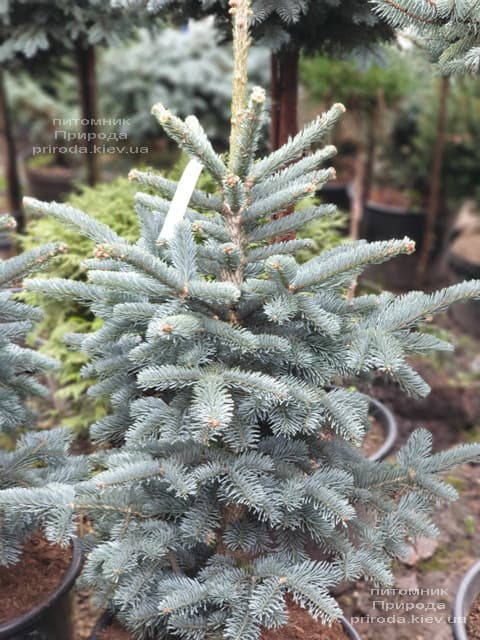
358 85
112 204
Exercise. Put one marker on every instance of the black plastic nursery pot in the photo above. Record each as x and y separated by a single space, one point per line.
467 592
388 422
337 193
383 222
52 619
106 619
51 182
7 246
467 314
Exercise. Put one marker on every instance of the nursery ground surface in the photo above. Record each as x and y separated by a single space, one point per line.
28 583
452 413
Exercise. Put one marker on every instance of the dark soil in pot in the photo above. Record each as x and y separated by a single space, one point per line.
113 632
473 620
35 598
300 626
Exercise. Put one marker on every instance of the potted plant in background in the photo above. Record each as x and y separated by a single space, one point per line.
370 89
405 164
36 579
457 227
62 30
50 174
288 30
416 206
233 453
450 37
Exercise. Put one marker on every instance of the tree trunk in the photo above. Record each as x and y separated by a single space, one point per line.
369 158
14 191
433 207
88 97
364 176
366 163
284 90
284 109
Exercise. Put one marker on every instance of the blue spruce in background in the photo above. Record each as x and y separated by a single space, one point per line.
448 30
40 457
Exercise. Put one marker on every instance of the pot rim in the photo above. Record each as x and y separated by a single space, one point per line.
389 209
390 428
349 628
335 185
468 590
26 620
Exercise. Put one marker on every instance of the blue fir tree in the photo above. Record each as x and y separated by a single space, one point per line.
232 444
40 456
331 25
19 366
449 30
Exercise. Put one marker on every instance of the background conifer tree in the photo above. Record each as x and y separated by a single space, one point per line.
19 384
38 32
286 28
19 366
449 30
227 364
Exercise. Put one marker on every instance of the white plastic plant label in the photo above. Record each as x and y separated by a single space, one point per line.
181 198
